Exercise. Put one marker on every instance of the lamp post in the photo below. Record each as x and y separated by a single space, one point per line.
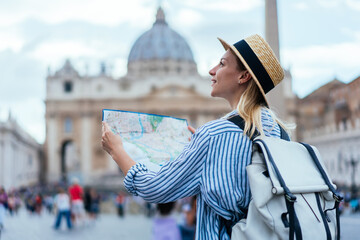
353 163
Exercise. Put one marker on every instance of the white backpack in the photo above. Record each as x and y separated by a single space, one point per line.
292 194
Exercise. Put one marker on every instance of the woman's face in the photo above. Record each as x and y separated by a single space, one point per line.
225 77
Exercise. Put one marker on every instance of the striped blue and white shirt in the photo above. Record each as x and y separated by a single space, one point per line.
212 167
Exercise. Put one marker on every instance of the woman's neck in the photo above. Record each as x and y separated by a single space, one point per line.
234 102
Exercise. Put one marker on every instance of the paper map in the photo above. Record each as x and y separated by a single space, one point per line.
148 138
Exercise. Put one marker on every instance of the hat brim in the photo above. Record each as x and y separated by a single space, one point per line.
229 46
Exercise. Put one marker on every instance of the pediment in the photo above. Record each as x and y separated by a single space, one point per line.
173 91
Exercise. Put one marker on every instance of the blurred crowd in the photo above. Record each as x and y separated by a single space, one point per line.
74 206
79 206
350 204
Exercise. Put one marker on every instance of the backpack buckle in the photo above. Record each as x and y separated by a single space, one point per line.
290 197
337 198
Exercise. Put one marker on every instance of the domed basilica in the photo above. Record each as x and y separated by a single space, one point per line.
161 78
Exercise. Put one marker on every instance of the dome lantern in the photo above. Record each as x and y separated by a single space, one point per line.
160 16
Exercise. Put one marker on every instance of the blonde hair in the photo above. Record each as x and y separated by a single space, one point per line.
250 104
249 108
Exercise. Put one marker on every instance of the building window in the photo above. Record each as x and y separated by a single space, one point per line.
68 125
68 86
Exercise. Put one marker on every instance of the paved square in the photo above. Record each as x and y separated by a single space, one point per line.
111 227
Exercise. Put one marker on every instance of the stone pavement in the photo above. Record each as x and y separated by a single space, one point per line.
350 226
106 227
111 227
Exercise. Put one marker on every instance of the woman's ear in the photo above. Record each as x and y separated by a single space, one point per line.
244 76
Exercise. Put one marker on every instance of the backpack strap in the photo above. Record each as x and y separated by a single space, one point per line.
338 198
283 134
239 121
294 225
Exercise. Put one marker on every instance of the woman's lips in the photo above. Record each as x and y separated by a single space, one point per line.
213 82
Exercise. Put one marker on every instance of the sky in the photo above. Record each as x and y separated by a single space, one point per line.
319 41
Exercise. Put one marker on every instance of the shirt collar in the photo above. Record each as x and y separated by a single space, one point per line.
230 114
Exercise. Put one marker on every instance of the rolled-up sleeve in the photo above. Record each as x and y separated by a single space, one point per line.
176 179
129 179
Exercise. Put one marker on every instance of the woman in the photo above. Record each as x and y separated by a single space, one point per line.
212 165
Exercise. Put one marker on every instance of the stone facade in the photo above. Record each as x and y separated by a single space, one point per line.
316 109
329 118
20 156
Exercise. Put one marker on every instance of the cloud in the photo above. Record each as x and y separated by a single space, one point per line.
20 76
340 55
189 17
9 40
57 50
29 114
225 5
315 65
351 33
104 12
329 3
353 4
301 6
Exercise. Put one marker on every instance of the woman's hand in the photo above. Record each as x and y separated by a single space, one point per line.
110 142
113 145
191 129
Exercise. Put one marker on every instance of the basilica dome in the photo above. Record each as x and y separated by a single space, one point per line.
161 50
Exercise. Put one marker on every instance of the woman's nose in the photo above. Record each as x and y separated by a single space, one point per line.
212 71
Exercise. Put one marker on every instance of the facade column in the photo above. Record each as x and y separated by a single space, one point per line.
2 169
85 155
8 163
54 164
14 162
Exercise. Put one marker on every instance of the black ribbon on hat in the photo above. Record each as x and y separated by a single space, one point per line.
255 65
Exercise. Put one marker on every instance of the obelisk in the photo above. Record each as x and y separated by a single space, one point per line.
276 97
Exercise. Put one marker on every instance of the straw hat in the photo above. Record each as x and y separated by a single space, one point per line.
259 59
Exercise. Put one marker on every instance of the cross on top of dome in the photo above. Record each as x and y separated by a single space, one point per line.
160 16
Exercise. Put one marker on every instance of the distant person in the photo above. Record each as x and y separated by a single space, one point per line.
18 202
62 204
187 229
38 203
30 203
120 202
77 204
149 209
165 226
87 201
3 206
49 203
11 203
95 203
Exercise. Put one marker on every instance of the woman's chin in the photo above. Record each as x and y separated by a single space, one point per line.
213 93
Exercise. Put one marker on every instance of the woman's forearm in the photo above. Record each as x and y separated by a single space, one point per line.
113 145
123 160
